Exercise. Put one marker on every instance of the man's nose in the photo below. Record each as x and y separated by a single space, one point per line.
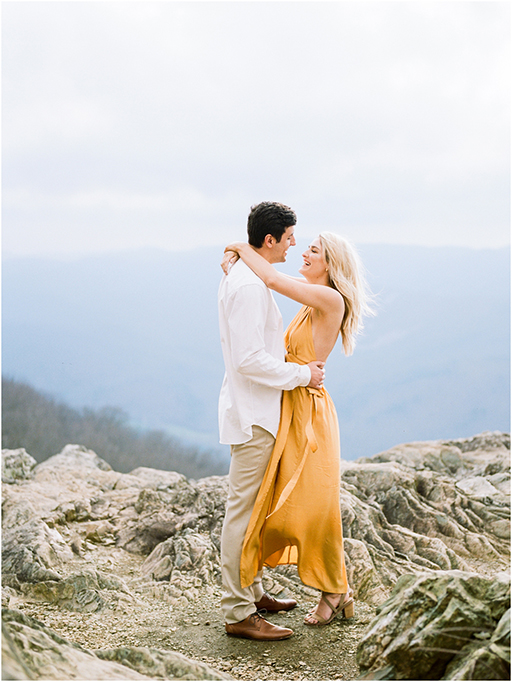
292 241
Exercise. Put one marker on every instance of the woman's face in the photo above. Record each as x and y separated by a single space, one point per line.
315 265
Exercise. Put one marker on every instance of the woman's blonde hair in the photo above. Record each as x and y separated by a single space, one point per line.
346 275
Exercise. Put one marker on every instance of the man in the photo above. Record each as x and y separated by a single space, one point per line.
251 330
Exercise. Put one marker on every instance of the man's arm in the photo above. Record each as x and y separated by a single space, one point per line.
246 315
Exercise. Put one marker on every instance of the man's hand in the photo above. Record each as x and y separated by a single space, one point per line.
317 374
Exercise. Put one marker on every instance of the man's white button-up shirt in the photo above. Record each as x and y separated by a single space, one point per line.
251 335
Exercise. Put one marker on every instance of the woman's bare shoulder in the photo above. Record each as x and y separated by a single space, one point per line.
331 305
333 296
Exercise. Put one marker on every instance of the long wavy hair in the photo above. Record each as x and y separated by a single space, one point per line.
347 275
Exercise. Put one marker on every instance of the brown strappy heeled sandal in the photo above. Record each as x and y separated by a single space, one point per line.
347 606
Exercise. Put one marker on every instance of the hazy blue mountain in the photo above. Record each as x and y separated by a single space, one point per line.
139 330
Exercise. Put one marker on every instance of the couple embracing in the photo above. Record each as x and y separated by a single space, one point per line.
284 479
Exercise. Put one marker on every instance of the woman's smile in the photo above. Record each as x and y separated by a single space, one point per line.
314 260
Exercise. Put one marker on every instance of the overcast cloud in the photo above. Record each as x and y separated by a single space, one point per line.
129 124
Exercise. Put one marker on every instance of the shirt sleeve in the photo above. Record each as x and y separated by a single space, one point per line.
246 316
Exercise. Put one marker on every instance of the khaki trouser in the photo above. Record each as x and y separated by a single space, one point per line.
248 464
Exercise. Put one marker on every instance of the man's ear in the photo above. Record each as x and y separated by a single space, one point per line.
269 241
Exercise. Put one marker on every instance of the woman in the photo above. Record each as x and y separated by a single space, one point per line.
296 518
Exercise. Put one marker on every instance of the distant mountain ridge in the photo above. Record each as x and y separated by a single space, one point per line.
139 330
39 424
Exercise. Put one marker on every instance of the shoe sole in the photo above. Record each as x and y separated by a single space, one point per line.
263 609
260 639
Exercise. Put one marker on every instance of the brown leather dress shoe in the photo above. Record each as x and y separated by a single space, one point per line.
256 627
270 604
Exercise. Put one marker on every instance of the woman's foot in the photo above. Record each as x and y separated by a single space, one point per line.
329 606
322 609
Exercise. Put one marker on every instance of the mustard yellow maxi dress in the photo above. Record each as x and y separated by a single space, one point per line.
296 518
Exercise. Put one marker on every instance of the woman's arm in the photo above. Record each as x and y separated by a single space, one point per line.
231 257
323 298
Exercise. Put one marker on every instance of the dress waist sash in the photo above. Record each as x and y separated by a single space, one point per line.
313 395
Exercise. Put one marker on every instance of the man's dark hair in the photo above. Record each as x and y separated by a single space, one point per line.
269 217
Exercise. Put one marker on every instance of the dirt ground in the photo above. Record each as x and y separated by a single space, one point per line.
197 629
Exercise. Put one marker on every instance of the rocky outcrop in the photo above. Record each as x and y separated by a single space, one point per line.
32 651
168 665
441 626
417 507
85 592
434 509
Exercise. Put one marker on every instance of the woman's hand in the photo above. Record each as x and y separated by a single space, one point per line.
229 259
231 255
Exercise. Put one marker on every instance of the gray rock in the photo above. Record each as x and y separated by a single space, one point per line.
36 652
413 510
17 465
501 481
479 487
176 508
168 665
30 651
100 532
432 625
487 440
154 519
157 479
405 510
30 552
84 592
188 553
74 457
479 660
13 667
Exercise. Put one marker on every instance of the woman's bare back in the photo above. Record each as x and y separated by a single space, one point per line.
325 329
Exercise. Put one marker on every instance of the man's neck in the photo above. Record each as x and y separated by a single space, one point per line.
264 253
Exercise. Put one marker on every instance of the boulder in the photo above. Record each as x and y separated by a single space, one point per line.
74 457
484 659
31 552
167 665
159 514
434 626
32 651
17 465
13 666
85 592
190 553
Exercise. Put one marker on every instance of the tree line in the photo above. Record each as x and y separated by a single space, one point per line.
43 426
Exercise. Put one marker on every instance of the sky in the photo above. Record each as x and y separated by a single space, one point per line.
158 124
